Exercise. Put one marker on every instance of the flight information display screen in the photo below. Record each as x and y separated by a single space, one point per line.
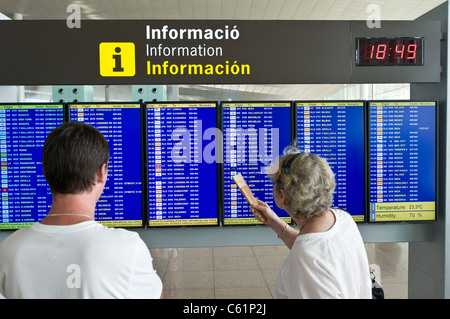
255 134
121 204
182 165
335 131
26 197
402 161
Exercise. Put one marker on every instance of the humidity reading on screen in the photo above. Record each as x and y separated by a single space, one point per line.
182 166
26 197
335 131
255 135
121 204
402 161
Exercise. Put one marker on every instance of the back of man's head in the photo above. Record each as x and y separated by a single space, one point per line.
71 157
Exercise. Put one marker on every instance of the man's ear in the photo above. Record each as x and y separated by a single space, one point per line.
102 174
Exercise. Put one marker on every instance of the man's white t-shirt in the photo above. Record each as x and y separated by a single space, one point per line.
331 264
84 260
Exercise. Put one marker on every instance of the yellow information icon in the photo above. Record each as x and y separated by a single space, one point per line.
117 59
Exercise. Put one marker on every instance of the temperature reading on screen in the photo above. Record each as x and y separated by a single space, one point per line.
389 51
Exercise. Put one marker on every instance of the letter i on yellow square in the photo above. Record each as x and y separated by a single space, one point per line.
117 59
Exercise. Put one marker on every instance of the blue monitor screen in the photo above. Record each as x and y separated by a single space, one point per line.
402 161
182 165
26 197
255 135
335 131
121 204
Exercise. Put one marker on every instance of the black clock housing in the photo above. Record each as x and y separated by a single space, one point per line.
389 51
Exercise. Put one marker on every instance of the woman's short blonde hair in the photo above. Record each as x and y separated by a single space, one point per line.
308 183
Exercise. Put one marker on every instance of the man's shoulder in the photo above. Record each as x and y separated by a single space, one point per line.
6 241
88 231
119 234
109 244
23 232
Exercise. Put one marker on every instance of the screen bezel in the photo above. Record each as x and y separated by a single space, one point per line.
365 144
92 104
288 220
436 144
63 106
218 186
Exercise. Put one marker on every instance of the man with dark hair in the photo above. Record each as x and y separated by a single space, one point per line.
68 254
71 156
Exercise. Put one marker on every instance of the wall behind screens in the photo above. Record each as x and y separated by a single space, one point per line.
335 131
171 163
121 203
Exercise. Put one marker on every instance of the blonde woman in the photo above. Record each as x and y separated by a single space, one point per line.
327 257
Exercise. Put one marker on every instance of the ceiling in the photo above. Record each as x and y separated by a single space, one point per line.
220 9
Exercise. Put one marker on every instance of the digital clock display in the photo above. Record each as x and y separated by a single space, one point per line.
389 51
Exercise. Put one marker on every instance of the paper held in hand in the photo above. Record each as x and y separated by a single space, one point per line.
246 191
